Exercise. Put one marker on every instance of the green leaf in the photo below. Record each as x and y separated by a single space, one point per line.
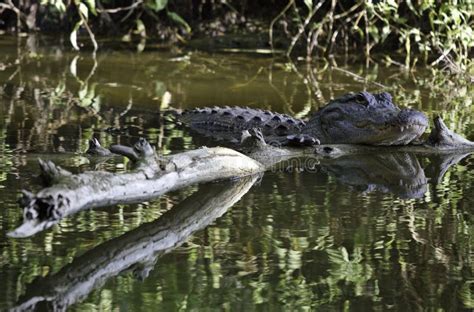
345 254
393 3
84 10
412 8
156 5
141 29
179 20
385 32
73 35
127 38
91 5
309 4
141 45
59 4
82 93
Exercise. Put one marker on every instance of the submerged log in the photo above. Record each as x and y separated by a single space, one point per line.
136 250
153 176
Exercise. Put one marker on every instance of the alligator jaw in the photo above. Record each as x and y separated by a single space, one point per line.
443 138
409 126
403 135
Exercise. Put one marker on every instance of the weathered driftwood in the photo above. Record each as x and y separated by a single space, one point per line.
137 250
153 176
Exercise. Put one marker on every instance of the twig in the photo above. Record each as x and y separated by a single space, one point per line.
341 15
441 57
349 73
270 30
367 43
89 31
116 10
244 84
303 27
330 17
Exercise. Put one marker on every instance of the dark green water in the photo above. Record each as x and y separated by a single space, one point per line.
379 232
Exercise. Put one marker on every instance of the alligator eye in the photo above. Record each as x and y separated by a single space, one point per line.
360 99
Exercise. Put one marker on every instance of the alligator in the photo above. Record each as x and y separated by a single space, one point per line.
354 118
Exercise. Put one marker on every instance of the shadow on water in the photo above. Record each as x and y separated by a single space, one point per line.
370 232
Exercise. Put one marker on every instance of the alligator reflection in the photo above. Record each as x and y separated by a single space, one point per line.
398 173
138 249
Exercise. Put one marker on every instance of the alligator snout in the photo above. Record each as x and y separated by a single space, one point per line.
409 125
409 117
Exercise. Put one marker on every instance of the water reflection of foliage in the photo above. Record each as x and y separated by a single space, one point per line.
5 152
297 88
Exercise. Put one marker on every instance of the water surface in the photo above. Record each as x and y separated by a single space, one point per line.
376 232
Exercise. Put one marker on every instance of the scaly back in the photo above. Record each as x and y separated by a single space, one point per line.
227 123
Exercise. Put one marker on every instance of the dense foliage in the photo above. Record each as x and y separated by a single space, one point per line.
440 32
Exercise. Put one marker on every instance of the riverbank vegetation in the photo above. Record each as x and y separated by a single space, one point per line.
439 33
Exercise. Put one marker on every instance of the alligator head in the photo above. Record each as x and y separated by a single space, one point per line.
366 118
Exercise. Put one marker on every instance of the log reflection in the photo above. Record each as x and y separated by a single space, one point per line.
138 249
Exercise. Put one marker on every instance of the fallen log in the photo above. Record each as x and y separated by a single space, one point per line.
153 176
137 250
